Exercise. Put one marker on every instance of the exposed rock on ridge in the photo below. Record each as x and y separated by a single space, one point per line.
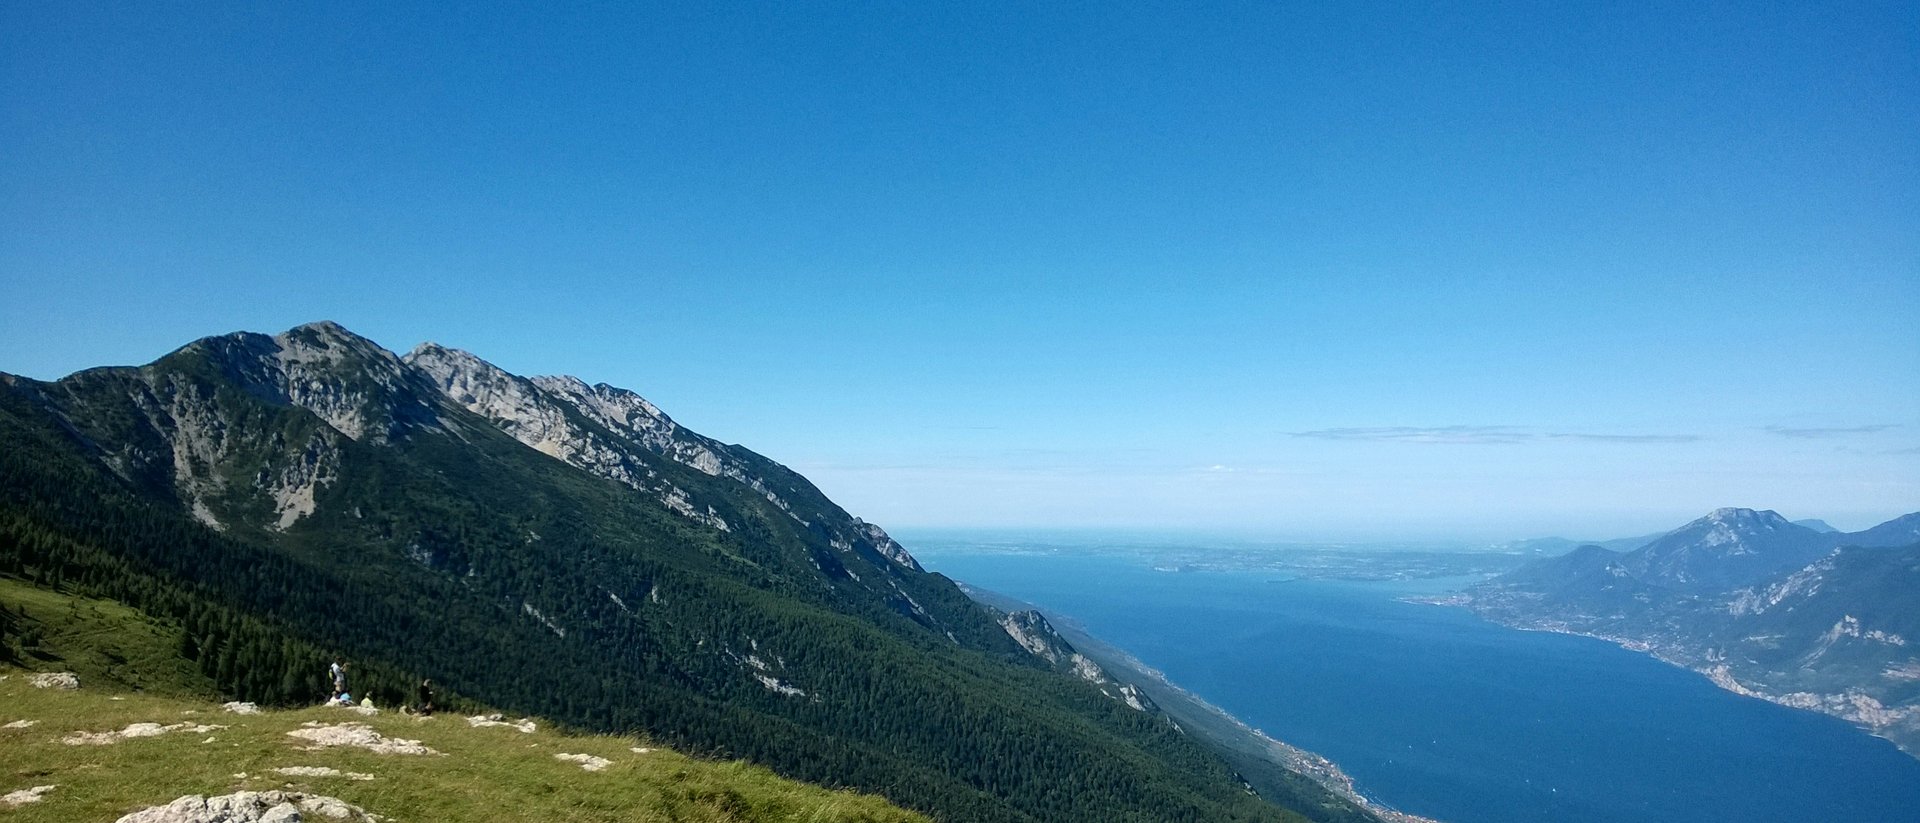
1030 629
613 433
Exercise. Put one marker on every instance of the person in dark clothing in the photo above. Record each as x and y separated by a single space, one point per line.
426 698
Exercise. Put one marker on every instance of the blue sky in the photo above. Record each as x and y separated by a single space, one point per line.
1333 271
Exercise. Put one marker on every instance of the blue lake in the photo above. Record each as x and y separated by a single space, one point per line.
1437 712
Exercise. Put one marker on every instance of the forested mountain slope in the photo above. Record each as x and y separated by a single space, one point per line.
1826 621
561 549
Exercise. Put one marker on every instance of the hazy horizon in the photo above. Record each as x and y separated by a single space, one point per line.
1283 536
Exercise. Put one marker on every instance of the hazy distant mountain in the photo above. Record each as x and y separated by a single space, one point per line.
1589 568
1728 547
1548 546
1896 532
554 547
1822 621
1561 545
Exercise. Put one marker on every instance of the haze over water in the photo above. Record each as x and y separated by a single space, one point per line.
1437 712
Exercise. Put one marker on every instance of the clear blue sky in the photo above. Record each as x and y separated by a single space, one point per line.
1335 270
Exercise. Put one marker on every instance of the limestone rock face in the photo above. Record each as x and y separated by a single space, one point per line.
1033 632
251 807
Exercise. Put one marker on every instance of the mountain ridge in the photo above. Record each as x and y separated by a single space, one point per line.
1763 607
1728 546
286 497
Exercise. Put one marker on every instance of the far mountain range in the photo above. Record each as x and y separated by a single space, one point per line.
1793 612
1562 545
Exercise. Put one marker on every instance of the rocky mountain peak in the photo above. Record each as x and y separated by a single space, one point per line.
539 418
1734 515
363 392
431 352
617 434
329 332
614 433
353 384
463 377
1735 528
1729 546
326 343
622 410
184 432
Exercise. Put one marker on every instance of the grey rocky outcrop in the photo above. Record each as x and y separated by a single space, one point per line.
25 796
55 680
358 735
251 807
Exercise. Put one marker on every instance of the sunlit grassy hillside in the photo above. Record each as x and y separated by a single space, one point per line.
129 675
485 773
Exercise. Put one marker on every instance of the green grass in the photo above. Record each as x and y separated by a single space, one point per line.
105 642
485 774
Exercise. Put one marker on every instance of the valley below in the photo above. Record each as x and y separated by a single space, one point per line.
1430 712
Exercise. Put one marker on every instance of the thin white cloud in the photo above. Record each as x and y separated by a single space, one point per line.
1628 438
1817 433
1483 435
1448 435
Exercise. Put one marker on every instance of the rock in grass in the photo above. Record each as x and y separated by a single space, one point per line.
250 807
321 771
586 761
525 725
359 735
132 731
55 680
24 796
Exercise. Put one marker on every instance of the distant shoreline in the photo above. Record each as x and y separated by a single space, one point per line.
1318 767
1720 675
1206 718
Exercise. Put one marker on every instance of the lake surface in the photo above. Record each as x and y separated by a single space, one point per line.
1437 712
